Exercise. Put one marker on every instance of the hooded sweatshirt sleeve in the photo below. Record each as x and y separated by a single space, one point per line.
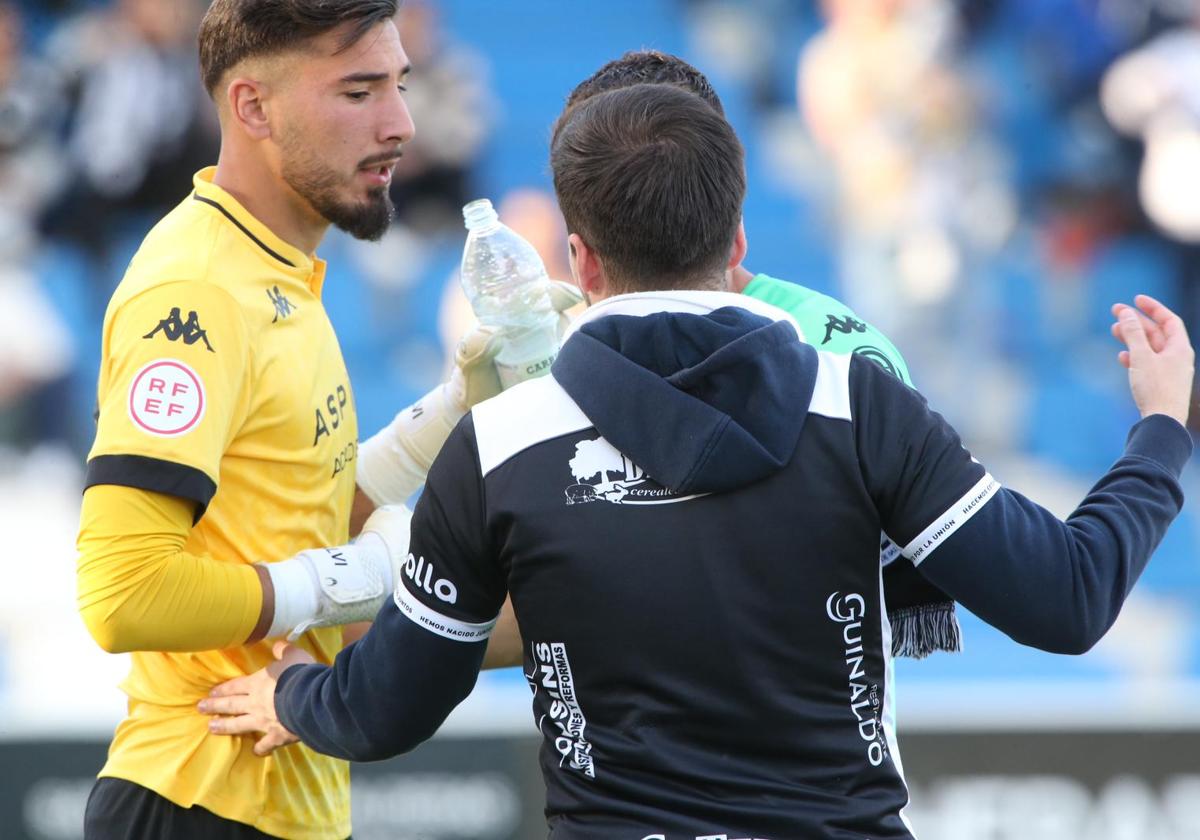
392 689
1049 584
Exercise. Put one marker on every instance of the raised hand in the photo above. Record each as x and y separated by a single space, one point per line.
1158 355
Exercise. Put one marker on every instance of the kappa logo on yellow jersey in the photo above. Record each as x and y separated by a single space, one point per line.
283 306
176 329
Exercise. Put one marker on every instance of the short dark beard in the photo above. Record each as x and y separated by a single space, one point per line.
369 220
317 185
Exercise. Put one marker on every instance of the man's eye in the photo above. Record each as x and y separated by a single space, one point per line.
357 96
402 88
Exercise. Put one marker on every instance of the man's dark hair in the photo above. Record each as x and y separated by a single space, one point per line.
640 67
653 179
234 30
651 67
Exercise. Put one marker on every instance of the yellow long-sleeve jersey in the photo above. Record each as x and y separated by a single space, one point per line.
226 436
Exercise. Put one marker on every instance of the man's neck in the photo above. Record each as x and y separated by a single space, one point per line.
739 279
271 201
735 280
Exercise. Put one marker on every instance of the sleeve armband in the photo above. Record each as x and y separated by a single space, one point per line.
954 518
153 474
441 625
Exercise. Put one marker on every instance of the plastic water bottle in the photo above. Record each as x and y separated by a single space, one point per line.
506 283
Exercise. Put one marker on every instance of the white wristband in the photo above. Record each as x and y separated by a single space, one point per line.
295 594
393 463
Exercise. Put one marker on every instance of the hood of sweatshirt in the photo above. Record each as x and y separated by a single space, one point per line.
705 391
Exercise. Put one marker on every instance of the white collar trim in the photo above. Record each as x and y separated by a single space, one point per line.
640 304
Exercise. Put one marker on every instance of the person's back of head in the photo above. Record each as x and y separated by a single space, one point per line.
640 67
652 67
652 179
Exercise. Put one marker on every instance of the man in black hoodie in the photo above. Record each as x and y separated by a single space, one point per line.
684 515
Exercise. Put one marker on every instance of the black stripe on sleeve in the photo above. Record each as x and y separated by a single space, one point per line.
153 474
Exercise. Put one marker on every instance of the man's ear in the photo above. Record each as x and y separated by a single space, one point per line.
737 252
246 102
587 270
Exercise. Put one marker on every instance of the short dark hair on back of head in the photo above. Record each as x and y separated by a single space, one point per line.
234 30
641 67
652 179
646 67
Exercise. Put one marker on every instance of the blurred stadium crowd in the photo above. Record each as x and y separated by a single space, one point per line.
980 179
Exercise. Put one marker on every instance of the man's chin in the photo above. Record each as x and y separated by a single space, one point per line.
368 221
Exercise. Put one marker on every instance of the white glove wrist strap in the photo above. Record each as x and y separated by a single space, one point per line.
296 598
328 586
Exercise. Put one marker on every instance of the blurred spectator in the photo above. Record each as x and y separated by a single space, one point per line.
35 347
1153 93
918 182
740 41
30 104
452 107
141 124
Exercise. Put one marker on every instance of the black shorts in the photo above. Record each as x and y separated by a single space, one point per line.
121 810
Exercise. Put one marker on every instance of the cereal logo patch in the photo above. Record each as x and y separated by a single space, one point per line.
166 398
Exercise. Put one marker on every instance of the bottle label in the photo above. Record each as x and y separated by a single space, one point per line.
513 372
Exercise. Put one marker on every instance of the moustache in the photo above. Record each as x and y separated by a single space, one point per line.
384 157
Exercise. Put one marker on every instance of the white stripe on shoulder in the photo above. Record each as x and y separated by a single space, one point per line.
950 521
435 622
523 416
831 394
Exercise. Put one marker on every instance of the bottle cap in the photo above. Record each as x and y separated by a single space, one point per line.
480 214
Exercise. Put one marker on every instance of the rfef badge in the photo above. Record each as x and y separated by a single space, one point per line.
166 398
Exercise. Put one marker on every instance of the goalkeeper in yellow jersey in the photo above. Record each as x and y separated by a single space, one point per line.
227 436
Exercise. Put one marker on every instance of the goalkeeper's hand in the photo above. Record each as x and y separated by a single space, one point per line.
327 587
393 463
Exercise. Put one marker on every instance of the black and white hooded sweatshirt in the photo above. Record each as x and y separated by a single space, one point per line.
686 515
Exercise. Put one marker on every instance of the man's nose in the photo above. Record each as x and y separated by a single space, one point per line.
398 126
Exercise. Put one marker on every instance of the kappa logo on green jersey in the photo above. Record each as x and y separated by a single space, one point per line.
845 326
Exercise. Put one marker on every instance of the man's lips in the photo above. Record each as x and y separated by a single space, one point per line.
379 172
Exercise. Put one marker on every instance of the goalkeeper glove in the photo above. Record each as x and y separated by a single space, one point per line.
393 463
326 587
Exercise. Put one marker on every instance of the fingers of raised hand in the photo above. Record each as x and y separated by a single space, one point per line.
1158 312
1173 329
1155 336
1131 330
